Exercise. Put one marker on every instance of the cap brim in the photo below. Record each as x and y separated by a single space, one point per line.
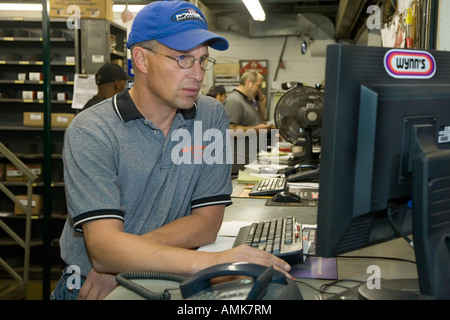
192 38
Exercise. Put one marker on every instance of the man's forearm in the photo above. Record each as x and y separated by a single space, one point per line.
199 228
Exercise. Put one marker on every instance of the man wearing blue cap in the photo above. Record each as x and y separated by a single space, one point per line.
131 205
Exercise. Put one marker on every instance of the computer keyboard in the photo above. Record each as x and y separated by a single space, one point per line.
282 237
269 187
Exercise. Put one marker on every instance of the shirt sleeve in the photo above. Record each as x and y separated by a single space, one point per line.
214 185
234 110
90 177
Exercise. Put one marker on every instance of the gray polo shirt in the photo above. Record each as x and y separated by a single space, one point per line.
118 165
241 110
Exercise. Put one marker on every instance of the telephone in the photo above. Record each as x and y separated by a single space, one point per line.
258 283
302 172
266 283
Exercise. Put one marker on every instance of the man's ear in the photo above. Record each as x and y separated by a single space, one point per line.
140 62
117 84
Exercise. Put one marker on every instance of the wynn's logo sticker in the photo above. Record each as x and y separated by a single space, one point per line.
409 64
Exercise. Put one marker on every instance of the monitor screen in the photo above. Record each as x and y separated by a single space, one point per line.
382 109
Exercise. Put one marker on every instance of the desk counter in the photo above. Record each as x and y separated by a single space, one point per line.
353 268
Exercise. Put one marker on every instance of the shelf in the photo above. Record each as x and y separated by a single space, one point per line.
35 101
21 55
34 242
31 156
23 128
37 63
33 39
56 184
10 215
29 82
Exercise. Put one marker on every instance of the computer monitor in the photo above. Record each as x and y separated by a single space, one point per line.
385 158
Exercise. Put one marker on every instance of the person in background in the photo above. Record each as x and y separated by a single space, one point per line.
132 206
218 92
246 105
110 79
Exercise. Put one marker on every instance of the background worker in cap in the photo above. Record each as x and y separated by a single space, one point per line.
110 79
218 92
132 205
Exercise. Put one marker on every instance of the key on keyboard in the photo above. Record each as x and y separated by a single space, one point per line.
269 187
282 237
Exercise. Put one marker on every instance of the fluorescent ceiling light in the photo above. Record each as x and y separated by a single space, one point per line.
38 7
255 9
21 7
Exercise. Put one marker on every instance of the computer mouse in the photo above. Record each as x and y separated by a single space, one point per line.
286 196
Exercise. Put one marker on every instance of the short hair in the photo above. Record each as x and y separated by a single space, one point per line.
149 44
251 75
215 90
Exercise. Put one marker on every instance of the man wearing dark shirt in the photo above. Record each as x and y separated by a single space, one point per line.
110 79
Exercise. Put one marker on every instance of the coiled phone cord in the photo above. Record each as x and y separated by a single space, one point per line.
124 279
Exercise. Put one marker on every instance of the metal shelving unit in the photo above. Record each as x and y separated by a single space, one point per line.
26 56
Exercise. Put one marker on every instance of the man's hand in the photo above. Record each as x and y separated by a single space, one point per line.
97 286
248 254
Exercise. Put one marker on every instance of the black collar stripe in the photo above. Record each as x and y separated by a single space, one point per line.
126 109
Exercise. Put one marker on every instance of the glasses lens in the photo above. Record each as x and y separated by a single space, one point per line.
207 63
185 61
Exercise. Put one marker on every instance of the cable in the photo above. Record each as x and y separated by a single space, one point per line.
368 257
324 287
327 286
125 277
394 226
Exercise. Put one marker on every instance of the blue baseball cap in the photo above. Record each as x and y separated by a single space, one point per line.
179 25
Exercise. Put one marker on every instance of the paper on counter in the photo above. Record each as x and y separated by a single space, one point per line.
225 237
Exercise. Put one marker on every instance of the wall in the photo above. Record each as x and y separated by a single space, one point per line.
298 67
443 40
308 68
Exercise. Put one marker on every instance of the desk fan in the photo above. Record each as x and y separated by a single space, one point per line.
298 117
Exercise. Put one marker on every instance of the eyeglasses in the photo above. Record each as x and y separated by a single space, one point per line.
187 61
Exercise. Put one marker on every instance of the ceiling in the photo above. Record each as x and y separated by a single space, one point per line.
282 17
272 8
317 19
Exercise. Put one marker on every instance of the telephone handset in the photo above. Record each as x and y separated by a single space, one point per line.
261 283
266 283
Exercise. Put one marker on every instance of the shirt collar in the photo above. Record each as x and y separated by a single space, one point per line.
246 98
126 110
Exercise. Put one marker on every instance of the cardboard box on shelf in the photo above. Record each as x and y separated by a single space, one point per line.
61 120
226 68
28 95
33 119
90 9
12 173
2 171
36 204
62 96
36 168
35 76
61 78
